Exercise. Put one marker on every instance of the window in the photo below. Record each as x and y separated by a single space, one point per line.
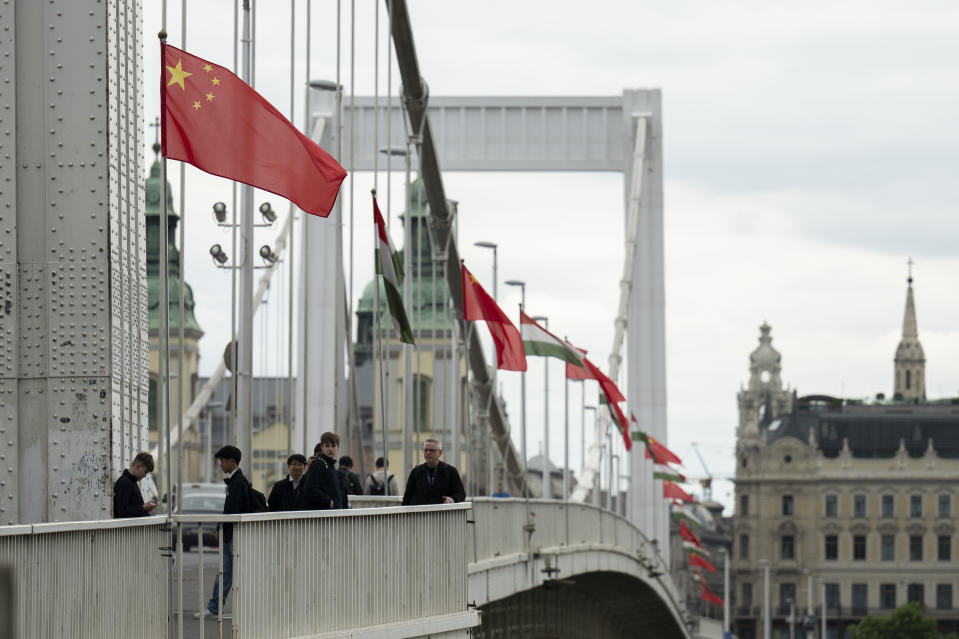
859 547
944 596
914 593
945 547
832 506
859 506
859 596
744 546
747 599
887 596
787 594
421 403
908 379
787 505
744 505
888 506
888 545
832 547
787 548
832 596
915 505
945 506
915 548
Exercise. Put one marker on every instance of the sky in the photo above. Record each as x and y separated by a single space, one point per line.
810 148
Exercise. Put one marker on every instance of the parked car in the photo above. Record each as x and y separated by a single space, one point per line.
201 503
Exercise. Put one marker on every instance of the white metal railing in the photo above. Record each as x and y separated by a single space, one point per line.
88 579
304 573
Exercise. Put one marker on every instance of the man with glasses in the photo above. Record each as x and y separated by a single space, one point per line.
433 482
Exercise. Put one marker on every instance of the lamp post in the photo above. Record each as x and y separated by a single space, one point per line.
495 395
582 433
522 380
767 620
408 299
547 472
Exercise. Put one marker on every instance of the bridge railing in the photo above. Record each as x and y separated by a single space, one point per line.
83 579
404 565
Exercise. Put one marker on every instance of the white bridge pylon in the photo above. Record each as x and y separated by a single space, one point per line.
596 133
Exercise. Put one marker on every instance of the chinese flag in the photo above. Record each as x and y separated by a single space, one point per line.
708 594
673 491
659 453
478 305
688 535
216 122
696 560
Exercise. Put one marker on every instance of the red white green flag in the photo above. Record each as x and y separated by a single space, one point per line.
683 514
539 341
390 266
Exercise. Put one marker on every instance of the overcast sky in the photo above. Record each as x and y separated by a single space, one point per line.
810 148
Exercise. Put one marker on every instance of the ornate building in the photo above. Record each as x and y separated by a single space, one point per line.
849 505
192 332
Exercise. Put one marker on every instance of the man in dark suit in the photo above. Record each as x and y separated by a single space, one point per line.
434 482
237 502
286 492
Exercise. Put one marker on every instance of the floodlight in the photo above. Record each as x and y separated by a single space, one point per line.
268 213
219 212
218 254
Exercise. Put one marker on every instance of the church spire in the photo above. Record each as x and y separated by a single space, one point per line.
910 361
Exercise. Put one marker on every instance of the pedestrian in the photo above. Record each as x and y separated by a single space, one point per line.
501 492
354 485
286 492
375 483
435 481
321 486
237 502
127 499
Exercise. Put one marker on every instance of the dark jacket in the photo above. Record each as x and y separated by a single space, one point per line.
354 485
237 500
320 486
446 483
127 500
284 496
344 480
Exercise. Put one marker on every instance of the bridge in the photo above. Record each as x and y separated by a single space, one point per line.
76 346
501 567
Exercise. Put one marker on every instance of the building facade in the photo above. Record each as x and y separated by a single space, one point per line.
849 505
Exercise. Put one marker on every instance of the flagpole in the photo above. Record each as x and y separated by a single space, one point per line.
164 324
378 357
566 453
725 591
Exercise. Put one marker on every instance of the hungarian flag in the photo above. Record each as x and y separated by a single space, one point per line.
478 305
577 370
673 491
539 341
216 122
683 514
617 414
708 594
688 535
389 265
668 473
699 560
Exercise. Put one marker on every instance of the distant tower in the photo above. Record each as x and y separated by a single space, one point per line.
764 397
910 382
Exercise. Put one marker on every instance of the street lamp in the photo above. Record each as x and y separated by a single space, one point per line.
394 151
522 379
547 473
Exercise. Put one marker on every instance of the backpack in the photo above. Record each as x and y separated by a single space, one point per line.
257 501
378 488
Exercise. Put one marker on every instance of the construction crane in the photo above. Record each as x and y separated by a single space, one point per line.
707 481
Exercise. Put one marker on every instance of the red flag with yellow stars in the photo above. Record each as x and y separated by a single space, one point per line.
478 305
216 122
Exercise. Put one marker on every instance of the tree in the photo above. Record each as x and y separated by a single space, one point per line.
907 621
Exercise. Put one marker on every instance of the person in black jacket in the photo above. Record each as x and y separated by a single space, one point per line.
322 489
237 502
127 499
286 492
433 482
354 485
